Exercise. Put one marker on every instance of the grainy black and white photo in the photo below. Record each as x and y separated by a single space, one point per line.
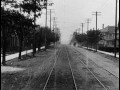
59 44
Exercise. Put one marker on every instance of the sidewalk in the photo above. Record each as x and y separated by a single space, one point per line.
111 54
12 56
5 69
103 62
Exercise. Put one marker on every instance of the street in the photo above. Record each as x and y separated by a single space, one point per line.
67 69
71 73
59 45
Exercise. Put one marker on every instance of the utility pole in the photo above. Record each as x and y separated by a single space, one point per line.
103 26
82 27
115 42
46 4
96 13
54 26
54 22
51 18
79 30
46 24
88 21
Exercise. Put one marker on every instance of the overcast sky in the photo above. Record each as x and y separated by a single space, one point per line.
71 13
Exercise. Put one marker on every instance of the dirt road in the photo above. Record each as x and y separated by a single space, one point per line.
69 69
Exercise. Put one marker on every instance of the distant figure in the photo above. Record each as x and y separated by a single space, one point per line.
74 44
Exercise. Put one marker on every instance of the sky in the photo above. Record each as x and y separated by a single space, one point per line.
71 13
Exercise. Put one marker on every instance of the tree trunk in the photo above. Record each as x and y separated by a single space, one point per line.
20 47
96 47
4 52
35 45
26 51
4 46
39 46
33 49
34 41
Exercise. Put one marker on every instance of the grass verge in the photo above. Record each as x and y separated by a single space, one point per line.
33 78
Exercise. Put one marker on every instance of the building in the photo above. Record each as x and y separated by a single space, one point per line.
109 37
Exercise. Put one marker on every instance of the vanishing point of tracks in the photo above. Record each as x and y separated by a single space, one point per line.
62 76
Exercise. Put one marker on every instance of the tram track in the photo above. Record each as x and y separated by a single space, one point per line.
59 80
102 67
71 70
94 75
64 81
56 56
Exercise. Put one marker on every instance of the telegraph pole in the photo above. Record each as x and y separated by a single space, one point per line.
88 21
46 24
54 26
115 42
54 22
79 30
82 27
51 18
50 4
96 13
103 26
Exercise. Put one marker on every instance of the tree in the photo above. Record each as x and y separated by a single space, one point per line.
80 38
32 6
7 26
94 36
13 21
51 37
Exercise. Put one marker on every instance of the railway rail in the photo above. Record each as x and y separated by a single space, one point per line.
72 73
102 68
52 71
56 56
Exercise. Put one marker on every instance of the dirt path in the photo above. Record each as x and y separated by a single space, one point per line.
5 69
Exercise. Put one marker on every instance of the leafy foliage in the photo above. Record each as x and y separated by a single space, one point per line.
31 6
14 20
50 35
94 36
81 37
